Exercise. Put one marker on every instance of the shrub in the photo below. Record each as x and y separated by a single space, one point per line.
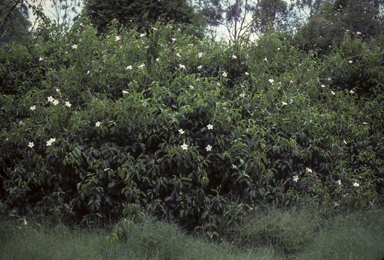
192 130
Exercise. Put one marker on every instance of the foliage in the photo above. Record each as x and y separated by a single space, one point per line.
326 29
191 130
211 10
138 14
14 22
267 11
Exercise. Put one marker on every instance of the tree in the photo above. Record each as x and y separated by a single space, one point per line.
233 15
138 13
14 21
326 28
241 16
235 19
210 13
14 18
211 10
269 11
308 7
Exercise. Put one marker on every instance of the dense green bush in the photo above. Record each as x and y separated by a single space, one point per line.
198 131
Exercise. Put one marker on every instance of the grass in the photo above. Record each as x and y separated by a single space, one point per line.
268 234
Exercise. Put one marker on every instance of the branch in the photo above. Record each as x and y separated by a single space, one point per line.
245 14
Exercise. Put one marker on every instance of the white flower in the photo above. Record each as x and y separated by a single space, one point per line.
271 80
344 142
129 67
74 46
179 30
125 92
191 86
49 143
309 170
218 84
265 59
182 66
224 74
208 148
246 73
142 35
141 66
154 29
33 108
181 131
55 102
365 123
283 104
97 123
322 86
158 59
242 94
200 67
40 59
190 45
200 54
332 93
295 178
118 38
50 99
234 166
210 126
329 78
278 49
356 184
339 182
291 81
234 57
351 91
358 33
291 101
178 55
350 61
173 39
68 104
31 145
184 146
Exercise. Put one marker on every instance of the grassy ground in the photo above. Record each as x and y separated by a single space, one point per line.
269 234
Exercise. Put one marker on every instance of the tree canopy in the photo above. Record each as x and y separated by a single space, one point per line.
139 13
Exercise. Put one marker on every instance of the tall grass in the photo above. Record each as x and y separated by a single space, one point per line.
273 233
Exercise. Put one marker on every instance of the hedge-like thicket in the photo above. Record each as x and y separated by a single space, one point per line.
198 131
